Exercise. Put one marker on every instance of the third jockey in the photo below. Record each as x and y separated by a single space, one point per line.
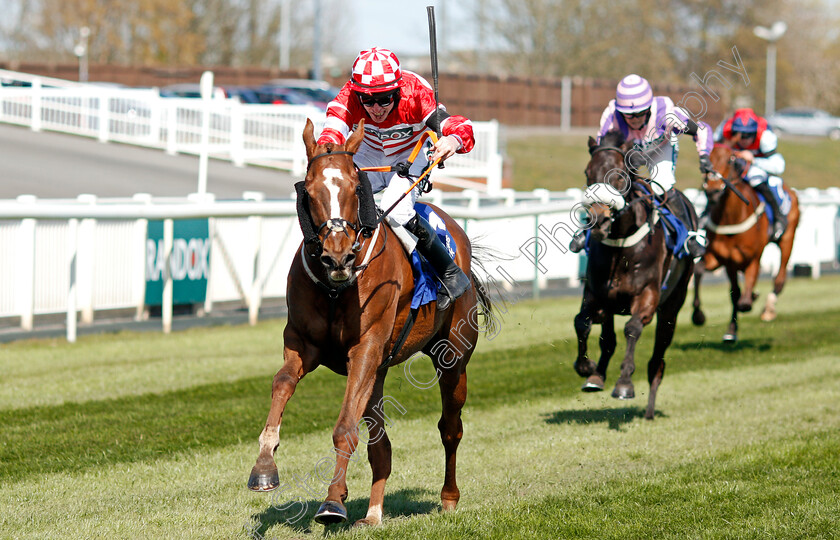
755 143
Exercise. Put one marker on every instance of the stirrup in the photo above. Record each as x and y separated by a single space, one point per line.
695 244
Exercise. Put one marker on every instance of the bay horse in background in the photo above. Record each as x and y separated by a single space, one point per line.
736 235
348 316
630 270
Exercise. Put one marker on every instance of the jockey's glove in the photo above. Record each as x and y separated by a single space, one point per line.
706 164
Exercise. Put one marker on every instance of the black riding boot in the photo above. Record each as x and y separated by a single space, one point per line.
578 241
454 282
779 219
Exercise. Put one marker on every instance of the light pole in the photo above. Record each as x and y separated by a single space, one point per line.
771 35
81 50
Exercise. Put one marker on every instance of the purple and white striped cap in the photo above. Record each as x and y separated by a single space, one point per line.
633 94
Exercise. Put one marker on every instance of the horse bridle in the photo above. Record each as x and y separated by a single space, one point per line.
338 225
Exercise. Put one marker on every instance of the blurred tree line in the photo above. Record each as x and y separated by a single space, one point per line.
663 40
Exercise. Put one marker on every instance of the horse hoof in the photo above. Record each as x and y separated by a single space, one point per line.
730 338
260 481
366 522
593 384
331 512
744 307
698 318
768 316
623 392
584 368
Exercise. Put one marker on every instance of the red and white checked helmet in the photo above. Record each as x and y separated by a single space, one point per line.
376 70
633 94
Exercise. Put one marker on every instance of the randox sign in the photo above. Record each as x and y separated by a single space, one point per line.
189 264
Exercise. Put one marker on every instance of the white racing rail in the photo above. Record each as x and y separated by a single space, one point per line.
86 256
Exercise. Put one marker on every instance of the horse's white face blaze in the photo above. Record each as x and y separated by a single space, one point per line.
332 177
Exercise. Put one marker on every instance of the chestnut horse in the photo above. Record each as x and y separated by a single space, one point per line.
348 316
737 234
630 270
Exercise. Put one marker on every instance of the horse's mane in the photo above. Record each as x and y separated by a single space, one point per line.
612 138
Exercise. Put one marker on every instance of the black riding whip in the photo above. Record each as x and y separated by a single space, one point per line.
430 11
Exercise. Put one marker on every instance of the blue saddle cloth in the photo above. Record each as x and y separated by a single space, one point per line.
425 280
676 231
781 197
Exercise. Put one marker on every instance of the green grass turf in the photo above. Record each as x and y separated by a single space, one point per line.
556 162
743 445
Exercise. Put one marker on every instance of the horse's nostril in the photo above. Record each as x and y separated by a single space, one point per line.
349 258
327 261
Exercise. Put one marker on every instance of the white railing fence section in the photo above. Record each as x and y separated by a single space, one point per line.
88 256
267 135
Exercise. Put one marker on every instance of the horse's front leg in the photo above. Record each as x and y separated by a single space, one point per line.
698 318
595 382
583 325
363 361
731 335
642 310
379 452
300 359
748 295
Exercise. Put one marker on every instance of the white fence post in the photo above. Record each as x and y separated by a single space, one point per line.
166 304
85 256
255 224
141 228
37 94
171 126
26 268
237 134
104 127
72 267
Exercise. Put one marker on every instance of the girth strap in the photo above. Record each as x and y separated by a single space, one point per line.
406 329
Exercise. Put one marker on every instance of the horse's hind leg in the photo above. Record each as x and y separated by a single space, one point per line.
379 454
264 475
453 393
785 246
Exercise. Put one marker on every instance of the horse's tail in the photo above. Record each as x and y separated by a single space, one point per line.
486 305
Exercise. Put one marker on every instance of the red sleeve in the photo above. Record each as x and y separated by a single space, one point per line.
342 113
460 127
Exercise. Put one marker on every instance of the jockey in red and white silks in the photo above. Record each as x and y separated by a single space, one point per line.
391 134
654 124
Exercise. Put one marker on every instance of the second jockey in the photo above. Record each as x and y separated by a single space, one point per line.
653 123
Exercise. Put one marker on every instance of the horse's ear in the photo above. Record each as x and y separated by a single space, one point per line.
309 139
355 140
627 146
592 144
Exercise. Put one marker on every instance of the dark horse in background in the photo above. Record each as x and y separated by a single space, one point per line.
630 270
737 233
347 314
